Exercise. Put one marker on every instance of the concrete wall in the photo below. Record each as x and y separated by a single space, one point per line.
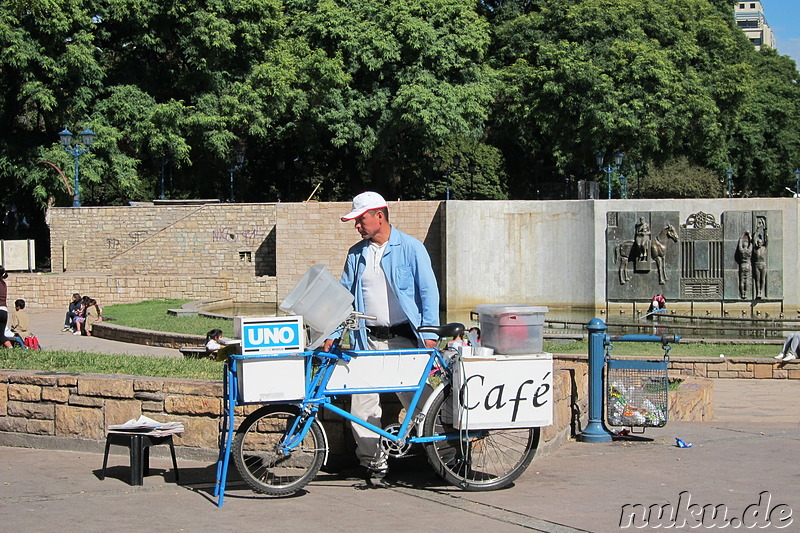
554 252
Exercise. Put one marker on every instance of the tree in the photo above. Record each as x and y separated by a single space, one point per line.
679 178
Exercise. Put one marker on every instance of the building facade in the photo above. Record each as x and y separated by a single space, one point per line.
751 19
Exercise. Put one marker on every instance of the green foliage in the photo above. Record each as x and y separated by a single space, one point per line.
350 95
101 363
679 178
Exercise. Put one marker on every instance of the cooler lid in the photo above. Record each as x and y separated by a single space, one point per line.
510 309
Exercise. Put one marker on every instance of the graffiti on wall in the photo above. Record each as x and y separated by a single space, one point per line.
251 236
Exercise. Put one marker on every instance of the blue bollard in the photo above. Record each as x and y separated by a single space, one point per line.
595 431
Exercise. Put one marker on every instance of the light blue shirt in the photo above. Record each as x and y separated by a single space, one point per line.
409 274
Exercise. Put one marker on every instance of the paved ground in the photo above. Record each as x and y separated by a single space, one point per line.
47 325
750 448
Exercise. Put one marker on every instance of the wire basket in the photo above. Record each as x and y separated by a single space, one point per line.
637 393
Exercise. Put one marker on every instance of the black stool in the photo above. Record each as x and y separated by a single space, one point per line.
139 446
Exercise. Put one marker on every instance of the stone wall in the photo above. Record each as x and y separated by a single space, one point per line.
213 240
246 252
81 406
313 233
54 291
73 410
736 368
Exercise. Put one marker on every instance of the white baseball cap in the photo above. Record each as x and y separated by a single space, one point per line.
366 201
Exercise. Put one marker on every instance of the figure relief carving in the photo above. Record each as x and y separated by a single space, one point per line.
642 240
760 257
751 255
655 249
744 256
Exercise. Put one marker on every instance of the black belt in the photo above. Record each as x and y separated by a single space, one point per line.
390 332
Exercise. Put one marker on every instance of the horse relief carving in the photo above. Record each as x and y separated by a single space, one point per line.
642 249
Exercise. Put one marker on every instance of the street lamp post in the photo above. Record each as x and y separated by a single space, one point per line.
236 166
623 186
472 168
456 162
164 162
87 138
797 182
610 168
638 166
729 174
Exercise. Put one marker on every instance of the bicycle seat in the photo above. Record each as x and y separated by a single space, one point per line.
454 329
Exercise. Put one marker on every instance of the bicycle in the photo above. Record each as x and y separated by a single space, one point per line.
280 447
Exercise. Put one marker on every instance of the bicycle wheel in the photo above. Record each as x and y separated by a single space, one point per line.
259 460
485 460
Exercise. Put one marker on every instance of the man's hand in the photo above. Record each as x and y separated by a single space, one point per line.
430 343
326 346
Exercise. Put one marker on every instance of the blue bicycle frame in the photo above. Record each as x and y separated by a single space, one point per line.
319 368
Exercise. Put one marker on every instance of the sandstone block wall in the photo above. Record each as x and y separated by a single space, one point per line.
82 406
309 234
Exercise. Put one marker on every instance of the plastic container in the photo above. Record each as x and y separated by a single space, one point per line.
322 302
512 328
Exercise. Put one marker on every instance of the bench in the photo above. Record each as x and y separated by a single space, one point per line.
193 352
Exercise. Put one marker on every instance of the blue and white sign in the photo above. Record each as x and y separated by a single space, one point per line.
273 334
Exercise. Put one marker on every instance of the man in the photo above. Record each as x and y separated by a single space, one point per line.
20 323
391 277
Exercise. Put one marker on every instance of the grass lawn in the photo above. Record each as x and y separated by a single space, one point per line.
153 315
677 350
100 363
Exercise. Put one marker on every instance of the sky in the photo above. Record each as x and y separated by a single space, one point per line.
783 16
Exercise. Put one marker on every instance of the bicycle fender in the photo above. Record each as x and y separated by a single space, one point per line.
325 439
425 408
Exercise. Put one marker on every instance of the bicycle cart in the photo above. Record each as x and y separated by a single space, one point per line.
281 446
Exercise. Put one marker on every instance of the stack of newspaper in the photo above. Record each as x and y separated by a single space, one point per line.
147 425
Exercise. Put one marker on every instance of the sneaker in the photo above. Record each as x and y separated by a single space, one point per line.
789 357
77 333
780 356
67 328
362 473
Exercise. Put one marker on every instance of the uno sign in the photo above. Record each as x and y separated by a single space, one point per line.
504 392
270 334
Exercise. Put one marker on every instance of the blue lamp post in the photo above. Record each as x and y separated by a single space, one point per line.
613 166
236 166
797 182
456 162
729 174
87 138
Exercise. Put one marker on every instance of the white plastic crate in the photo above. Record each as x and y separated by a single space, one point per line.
503 391
271 378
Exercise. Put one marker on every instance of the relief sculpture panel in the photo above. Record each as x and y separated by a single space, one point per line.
643 254
738 258
753 263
